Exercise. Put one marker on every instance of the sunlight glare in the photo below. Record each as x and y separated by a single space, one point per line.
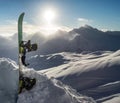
49 16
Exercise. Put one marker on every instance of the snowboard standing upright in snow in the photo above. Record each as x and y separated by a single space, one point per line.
24 82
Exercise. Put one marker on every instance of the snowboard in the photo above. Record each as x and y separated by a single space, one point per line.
20 21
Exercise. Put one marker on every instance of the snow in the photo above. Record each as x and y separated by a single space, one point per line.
8 80
110 99
46 90
50 90
79 63
113 100
94 74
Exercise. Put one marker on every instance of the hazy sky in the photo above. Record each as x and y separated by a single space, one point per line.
102 14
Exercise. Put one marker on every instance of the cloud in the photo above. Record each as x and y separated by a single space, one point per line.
65 28
10 28
13 22
105 30
84 21
9 41
76 40
8 47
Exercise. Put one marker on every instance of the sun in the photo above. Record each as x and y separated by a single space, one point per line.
49 26
49 16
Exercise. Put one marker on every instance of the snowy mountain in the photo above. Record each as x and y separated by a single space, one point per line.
93 74
45 91
81 39
92 39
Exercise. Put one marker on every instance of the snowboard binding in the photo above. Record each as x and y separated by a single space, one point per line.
26 83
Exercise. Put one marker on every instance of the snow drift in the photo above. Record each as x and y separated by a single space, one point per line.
45 91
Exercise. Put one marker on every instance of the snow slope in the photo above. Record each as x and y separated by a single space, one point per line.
94 74
50 91
45 91
8 80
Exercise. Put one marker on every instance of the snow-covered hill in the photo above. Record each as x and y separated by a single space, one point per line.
46 90
94 74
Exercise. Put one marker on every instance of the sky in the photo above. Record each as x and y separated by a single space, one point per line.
67 14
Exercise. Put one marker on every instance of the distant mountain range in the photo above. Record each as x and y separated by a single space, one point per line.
85 38
81 39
